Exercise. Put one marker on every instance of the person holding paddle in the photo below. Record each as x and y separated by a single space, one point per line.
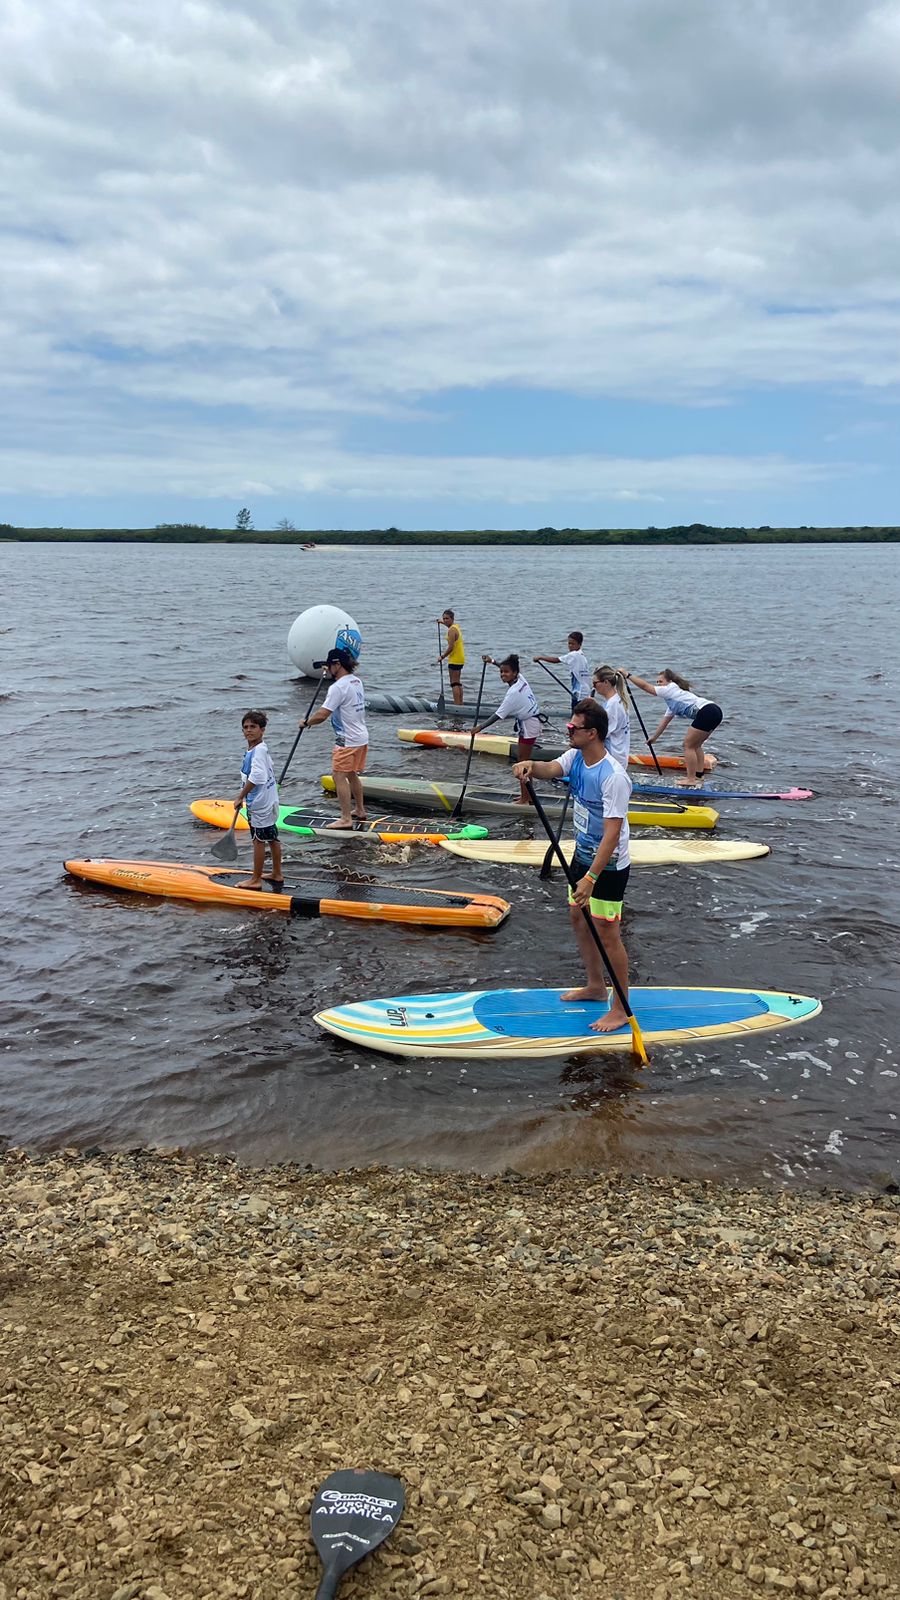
518 702
454 655
260 792
577 663
609 687
345 704
681 701
601 790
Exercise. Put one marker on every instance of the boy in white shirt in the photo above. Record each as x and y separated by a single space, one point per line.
345 704
260 792
519 703
578 665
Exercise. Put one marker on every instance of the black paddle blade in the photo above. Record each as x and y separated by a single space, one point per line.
225 848
351 1515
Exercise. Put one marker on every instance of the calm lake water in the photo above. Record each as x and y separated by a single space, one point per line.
128 1021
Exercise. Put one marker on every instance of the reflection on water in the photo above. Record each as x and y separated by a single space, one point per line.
130 1021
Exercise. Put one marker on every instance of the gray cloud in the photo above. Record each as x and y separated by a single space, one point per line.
309 211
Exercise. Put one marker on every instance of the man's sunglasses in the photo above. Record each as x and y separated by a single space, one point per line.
572 727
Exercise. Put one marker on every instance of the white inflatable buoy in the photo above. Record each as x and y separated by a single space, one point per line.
318 630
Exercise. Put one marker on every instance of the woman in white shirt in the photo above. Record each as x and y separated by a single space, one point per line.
681 701
518 702
609 689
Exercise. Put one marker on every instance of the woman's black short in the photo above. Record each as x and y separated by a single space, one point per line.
708 717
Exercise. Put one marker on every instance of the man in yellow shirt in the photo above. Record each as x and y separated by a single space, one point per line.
454 655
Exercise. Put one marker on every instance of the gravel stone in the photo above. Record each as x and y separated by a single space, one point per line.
590 1385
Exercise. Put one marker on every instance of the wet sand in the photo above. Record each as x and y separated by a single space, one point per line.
590 1386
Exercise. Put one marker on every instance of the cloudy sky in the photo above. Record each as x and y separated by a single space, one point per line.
587 262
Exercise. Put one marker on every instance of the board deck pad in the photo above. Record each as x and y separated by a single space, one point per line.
644 852
506 745
294 819
442 797
538 1022
324 894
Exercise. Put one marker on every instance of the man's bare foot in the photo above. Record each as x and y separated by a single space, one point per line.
587 993
524 801
615 1018
346 827
686 783
249 883
359 816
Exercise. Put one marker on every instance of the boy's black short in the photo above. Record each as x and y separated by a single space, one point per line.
267 835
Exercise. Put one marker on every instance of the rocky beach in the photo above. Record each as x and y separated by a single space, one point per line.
590 1385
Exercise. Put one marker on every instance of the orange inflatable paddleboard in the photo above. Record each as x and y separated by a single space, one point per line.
326 893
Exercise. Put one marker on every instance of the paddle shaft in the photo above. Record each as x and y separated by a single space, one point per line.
637 712
308 713
585 912
441 701
328 1584
457 809
553 846
557 680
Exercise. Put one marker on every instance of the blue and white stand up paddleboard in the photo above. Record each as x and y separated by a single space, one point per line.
538 1022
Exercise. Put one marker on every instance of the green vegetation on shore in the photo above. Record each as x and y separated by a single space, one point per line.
692 533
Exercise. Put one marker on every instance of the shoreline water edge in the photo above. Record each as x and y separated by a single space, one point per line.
589 1384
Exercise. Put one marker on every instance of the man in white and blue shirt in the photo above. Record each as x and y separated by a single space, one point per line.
601 791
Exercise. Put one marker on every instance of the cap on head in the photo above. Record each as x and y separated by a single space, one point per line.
342 657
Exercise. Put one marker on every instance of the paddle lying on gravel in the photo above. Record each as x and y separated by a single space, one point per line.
225 849
351 1515
637 1038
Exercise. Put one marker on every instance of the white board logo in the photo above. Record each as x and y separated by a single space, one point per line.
356 1505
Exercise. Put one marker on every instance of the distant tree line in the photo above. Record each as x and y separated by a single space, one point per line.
286 533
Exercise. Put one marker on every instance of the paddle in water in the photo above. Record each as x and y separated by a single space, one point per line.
441 704
650 747
351 1515
458 808
225 849
553 675
306 715
636 1035
547 863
